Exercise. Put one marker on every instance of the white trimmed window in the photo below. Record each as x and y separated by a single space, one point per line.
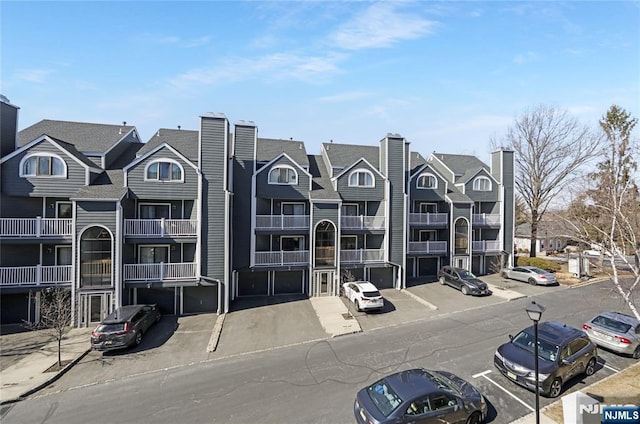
427 181
43 165
361 178
482 184
283 174
164 170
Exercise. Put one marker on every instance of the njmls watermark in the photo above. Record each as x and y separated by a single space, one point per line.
579 408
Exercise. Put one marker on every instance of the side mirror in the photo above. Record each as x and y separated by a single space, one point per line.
510 337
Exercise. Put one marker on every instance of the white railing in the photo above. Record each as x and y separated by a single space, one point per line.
160 271
428 219
279 257
427 247
363 222
362 255
279 222
36 227
35 275
485 246
161 227
490 219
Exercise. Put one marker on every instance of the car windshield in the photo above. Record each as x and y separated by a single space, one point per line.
374 293
466 275
546 350
383 396
109 328
611 324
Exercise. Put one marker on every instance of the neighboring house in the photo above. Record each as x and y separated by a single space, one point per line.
551 236
192 220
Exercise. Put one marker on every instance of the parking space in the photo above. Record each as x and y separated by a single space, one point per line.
521 287
448 299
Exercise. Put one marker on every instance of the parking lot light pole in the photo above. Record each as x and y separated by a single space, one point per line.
535 311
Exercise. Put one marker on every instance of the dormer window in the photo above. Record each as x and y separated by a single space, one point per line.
164 170
427 181
361 178
43 165
283 175
482 184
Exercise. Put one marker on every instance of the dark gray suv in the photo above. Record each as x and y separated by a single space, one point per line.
124 327
563 351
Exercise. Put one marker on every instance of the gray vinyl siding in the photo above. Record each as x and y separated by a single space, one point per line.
483 196
243 162
20 207
14 185
19 255
213 164
97 160
282 191
461 210
508 188
325 211
89 214
8 128
396 176
118 149
162 189
361 193
427 194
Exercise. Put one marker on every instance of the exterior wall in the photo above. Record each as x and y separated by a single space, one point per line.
14 185
243 165
361 193
118 149
483 196
8 128
325 211
427 194
162 189
504 165
20 207
282 191
89 214
20 255
396 175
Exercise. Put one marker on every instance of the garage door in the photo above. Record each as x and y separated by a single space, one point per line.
14 308
382 278
197 300
164 298
253 284
288 282
427 267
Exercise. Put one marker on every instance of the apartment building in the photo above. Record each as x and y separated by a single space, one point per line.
192 220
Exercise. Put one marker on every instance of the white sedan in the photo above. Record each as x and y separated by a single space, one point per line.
364 295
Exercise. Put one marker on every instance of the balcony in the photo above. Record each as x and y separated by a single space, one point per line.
36 227
428 247
174 271
160 227
362 255
429 219
35 275
363 222
282 257
485 246
486 219
282 222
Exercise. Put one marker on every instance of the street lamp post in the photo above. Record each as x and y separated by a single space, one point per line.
535 311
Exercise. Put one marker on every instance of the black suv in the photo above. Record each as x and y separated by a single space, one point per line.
124 327
463 280
563 353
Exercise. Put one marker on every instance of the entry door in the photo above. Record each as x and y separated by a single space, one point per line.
461 262
95 307
323 284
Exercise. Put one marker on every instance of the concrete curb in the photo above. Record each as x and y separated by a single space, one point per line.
420 300
215 334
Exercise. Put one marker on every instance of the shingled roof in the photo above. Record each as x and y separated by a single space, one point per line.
343 155
184 141
461 164
269 148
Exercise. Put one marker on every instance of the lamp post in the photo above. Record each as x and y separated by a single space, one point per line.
535 311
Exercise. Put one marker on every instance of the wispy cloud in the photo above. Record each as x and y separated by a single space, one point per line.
173 40
526 57
34 75
381 25
347 96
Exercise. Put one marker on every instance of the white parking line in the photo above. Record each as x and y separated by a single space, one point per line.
484 374
609 368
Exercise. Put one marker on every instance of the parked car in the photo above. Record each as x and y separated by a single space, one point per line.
364 295
463 280
616 331
531 275
563 352
420 396
124 327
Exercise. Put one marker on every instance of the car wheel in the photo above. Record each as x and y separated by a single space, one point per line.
532 281
442 280
556 388
358 306
636 353
591 367
464 290
474 418
138 338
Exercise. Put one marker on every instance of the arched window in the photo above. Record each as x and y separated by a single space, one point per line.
95 257
283 174
325 244
361 178
43 165
427 181
482 184
164 170
461 237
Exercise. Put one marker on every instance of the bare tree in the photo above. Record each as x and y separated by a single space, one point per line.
55 314
608 212
549 146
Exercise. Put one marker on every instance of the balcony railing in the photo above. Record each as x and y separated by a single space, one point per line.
485 246
35 275
486 219
279 257
160 272
427 247
36 227
362 255
282 222
160 227
363 222
428 219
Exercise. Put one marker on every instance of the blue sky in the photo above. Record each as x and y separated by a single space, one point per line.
448 76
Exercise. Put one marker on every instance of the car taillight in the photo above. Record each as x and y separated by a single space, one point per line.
126 330
623 340
586 327
543 277
94 334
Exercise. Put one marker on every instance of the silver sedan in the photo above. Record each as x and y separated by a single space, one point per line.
531 275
